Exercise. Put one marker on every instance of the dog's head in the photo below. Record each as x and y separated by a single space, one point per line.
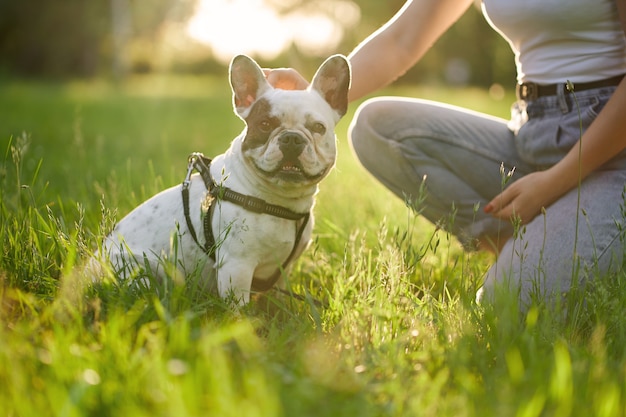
290 136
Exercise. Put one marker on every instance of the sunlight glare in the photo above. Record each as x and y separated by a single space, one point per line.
314 33
231 27
239 26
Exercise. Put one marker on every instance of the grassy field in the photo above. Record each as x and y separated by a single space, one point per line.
399 334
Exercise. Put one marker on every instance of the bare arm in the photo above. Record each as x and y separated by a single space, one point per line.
390 51
604 139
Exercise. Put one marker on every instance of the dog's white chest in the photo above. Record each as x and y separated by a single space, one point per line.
287 148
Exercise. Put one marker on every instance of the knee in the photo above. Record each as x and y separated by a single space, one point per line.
367 132
363 123
384 120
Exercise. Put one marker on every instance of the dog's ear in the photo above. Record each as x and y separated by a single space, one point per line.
248 83
332 81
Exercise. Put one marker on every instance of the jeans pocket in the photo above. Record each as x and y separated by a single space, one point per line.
545 140
574 123
536 141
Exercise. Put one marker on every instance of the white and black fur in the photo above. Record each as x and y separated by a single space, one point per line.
286 149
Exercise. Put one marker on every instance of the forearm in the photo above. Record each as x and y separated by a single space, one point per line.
603 140
389 52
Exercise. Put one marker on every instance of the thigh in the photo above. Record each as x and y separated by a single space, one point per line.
458 152
578 237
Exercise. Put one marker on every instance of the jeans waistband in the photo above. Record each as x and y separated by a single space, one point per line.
532 91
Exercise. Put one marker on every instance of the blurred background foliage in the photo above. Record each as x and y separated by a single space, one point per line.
117 38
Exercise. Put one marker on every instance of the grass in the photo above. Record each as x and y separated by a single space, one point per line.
400 334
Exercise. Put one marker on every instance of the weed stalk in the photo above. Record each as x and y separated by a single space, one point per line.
575 263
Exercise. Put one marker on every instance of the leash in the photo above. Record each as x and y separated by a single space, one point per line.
198 162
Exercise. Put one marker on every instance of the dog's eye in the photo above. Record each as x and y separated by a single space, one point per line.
318 128
265 126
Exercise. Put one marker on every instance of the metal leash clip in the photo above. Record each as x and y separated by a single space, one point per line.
191 162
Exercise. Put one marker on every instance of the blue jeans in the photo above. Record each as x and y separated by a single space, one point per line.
457 157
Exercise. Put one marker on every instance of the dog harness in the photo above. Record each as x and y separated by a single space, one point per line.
197 161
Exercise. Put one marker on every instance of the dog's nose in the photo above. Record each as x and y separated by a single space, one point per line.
291 144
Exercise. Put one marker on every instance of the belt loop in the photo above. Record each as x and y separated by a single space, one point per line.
560 94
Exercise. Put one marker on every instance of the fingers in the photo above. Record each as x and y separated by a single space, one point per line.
503 206
490 207
513 206
498 203
285 79
523 200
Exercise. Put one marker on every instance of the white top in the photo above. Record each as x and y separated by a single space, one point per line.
559 40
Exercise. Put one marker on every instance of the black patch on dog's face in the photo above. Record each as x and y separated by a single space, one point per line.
260 125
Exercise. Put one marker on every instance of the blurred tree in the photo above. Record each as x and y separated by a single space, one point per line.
54 37
89 37
78 37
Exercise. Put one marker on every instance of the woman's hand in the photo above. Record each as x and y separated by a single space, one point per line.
525 197
603 140
285 79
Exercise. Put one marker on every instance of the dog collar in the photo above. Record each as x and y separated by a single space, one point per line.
197 161
202 164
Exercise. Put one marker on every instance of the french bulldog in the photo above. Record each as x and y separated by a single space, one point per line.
247 214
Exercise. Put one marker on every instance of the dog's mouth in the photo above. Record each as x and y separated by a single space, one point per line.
289 167
291 171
